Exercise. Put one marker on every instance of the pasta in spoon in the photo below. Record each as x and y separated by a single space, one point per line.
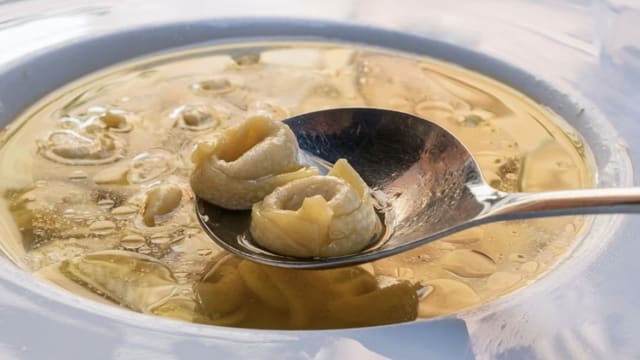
244 163
318 216
302 214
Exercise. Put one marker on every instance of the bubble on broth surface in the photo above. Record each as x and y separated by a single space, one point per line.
200 117
102 227
132 241
124 211
150 165
73 148
214 86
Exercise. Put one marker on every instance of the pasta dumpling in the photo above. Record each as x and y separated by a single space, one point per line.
318 216
246 294
244 163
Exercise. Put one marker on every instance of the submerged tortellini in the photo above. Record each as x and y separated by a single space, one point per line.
137 281
244 163
321 216
246 294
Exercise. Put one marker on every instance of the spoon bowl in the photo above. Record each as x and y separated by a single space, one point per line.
426 182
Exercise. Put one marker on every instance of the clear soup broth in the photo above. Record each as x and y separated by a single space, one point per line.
80 166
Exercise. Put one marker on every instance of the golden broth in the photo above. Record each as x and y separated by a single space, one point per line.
79 167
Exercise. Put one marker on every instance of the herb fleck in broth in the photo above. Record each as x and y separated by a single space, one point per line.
96 195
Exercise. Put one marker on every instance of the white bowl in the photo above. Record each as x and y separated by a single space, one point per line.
581 60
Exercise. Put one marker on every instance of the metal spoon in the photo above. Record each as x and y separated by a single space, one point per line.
428 183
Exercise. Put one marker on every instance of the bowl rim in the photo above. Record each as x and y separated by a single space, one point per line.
52 65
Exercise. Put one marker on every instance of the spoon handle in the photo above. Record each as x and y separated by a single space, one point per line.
567 202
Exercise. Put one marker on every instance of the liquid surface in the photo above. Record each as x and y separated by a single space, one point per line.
95 194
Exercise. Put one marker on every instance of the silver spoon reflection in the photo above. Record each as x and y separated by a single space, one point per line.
426 181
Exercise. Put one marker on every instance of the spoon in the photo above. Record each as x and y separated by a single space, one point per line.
427 182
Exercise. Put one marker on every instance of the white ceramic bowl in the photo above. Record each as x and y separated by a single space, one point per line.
580 58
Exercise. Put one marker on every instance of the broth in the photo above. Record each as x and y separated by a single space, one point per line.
79 166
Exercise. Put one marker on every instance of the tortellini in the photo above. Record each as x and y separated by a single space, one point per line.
295 212
318 216
137 281
246 294
244 163
160 202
